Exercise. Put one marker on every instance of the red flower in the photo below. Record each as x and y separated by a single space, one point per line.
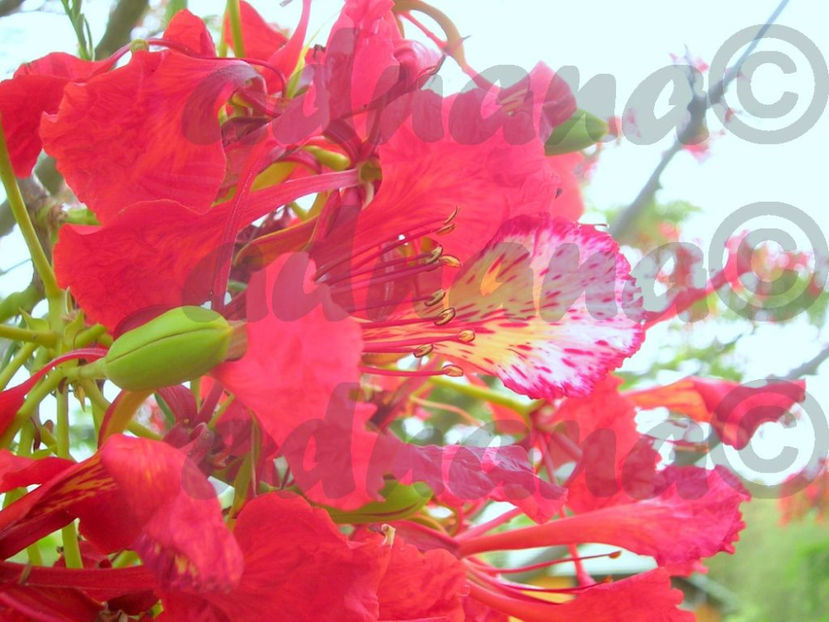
734 410
134 494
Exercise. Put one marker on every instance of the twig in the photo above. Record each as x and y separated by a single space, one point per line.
810 367
623 223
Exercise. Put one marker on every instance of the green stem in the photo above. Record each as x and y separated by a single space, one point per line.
12 304
90 335
34 398
125 559
483 393
71 548
235 17
21 215
99 402
13 333
139 430
23 355
241 486
24 449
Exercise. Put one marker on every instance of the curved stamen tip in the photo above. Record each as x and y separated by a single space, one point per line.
446 229
435 255
446 316
436 298
452 370
450 260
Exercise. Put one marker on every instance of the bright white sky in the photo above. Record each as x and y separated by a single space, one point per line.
628 40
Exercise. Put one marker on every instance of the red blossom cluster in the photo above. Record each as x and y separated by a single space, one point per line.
360 240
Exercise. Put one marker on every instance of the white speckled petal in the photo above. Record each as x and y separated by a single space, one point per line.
552 305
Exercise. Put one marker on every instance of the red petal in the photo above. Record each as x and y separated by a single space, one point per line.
615 461
298 566
155 252
359 55
422 585
646 597
161 254
697 516
37 87
310 351
16 471
149 130
19 603
22 100
502 179
299 340
190 31
138 494
458 474
260 38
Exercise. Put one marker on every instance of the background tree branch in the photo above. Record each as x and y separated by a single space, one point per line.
122 19
697 109
810 367
9 6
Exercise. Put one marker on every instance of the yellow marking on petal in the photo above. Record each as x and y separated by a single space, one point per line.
490 282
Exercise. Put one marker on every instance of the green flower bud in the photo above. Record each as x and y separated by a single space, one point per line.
181 344
400 501
576 133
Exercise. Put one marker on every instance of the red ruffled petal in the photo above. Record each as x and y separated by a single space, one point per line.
298 566
696 515
149 130
137 494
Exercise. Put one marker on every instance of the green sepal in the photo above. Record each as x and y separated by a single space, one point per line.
576 133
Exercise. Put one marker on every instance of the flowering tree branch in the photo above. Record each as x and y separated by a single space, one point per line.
697 108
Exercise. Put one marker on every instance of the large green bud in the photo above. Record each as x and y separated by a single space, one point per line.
399 501
181 344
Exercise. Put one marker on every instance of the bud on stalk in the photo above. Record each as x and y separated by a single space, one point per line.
178 345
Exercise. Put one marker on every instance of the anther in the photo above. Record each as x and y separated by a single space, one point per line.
450 260
424 350
446 316
436 298
467 335
452 370
436 254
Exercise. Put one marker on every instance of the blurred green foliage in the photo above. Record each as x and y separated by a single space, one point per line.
780 572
